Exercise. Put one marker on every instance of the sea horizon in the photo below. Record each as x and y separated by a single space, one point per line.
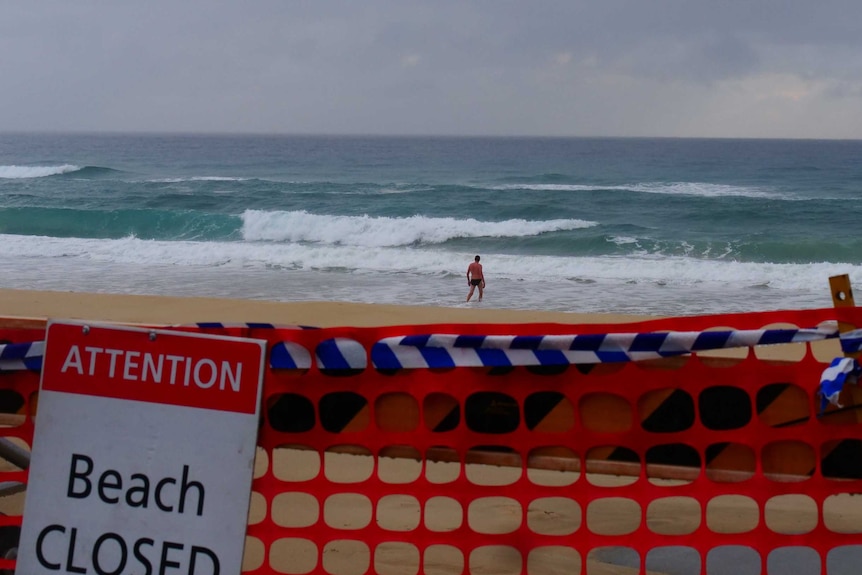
382 135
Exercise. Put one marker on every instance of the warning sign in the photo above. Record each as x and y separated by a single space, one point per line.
143 452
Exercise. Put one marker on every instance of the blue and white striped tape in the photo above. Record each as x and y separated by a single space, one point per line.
453 350
251 325
341 354
450 350
833 378
331 354
21 356
289 355
841 371
851 341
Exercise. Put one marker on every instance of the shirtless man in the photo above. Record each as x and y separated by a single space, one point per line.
475 278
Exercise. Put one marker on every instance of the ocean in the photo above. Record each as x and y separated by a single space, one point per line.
644 226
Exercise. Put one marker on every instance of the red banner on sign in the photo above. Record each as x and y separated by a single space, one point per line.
153 366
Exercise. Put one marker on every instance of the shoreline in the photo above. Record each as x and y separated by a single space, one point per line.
167 310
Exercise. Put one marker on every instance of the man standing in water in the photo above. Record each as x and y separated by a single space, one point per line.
475 278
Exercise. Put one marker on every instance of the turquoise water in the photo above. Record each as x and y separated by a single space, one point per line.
666 226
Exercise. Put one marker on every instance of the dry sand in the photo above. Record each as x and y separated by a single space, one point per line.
156 310
170 310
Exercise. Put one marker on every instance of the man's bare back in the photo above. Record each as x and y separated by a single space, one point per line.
475 278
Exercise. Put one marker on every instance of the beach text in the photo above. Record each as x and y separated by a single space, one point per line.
65 548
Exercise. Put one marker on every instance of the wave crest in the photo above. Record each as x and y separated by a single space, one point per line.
19 172
301 226
700 189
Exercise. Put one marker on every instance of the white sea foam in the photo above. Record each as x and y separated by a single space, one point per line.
420 262
701 189
704 190
623 240
198 179
20 172
366 231
418 276
402 189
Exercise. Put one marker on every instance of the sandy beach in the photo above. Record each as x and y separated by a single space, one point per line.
158 310
173 310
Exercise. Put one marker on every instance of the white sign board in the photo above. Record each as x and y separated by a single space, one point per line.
143 452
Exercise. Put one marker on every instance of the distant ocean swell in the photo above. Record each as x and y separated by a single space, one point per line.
563 237
558 183
113 224
667 188
15 172
561 183
23 172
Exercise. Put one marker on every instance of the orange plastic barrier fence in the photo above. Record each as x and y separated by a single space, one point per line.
708 462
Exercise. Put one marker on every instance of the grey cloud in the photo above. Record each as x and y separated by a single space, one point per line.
568 67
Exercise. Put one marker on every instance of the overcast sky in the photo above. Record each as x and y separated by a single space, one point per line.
744 68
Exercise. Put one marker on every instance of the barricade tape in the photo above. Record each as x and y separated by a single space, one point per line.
453 350
448 350
28 355
249 325
21 356
851 341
